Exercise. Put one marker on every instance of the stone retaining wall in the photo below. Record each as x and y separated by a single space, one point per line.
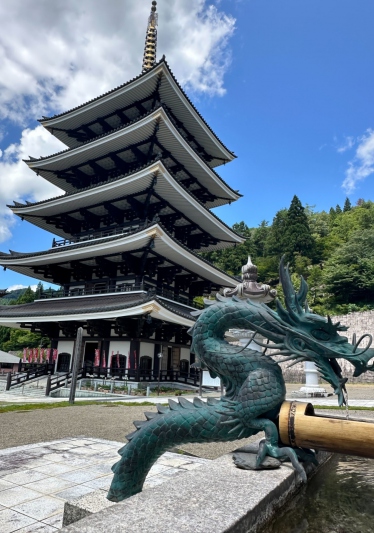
359 323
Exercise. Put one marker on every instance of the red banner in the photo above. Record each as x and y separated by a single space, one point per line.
118 364
36 355
48 355
41 355
30 355
103 360
128 361
24 358
54 355
97 357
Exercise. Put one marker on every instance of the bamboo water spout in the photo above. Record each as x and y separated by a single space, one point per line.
300 426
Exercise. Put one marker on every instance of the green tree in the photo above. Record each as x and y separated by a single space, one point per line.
21 338
259 238
4 336
27 297
347 205
297 237
232 259
349 272
338 209
274 245
39 290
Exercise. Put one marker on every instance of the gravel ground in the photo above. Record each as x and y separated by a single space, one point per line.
114 422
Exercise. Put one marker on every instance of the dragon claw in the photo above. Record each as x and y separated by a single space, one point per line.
266 448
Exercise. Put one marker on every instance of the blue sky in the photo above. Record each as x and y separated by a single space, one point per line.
287 85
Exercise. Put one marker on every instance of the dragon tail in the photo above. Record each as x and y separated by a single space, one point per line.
180 423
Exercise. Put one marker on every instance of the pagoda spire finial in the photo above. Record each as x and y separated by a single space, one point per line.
149 58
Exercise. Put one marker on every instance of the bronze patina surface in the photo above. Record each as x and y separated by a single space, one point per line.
255 388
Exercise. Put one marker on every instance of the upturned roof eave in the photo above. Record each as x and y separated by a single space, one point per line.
97 191
162 64
152 305
184 256
107 138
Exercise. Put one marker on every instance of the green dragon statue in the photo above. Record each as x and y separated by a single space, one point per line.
254 384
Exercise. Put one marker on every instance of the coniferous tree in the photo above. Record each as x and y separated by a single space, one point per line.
274 243
332 213
338 209
259 238
27 297
347 205
297 237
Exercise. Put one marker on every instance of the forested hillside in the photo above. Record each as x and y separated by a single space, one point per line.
334 251
17 339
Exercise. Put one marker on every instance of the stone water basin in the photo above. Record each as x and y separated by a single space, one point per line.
338 499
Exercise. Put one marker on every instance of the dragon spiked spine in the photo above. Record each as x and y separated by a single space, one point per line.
255 388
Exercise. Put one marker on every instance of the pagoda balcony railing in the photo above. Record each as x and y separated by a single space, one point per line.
103 288
105 232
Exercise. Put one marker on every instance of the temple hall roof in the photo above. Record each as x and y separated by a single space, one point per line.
96 307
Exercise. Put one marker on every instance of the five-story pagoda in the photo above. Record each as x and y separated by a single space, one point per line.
139 181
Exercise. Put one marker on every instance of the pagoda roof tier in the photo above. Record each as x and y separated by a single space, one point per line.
99 307
153 135
153 238
152 186
118 106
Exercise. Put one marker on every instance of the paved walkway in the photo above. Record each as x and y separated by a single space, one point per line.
36 480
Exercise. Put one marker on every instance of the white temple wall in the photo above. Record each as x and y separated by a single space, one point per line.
122 346
148 349
65 347
185 354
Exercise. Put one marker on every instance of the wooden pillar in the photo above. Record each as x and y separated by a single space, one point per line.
156 359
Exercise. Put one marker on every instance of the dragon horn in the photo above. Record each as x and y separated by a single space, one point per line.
302 294
291 299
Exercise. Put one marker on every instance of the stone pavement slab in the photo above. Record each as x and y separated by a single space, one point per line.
37 479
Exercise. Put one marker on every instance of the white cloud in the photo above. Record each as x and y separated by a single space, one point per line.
59 54
1 153
56 55
362 165
347 145
16 287
17 181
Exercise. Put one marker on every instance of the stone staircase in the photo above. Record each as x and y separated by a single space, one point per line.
35 388
26 390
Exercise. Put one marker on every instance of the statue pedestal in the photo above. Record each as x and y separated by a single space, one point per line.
311 389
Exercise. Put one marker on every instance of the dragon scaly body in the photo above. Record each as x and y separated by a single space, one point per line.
254 384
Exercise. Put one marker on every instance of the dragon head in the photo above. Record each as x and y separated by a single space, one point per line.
301 335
